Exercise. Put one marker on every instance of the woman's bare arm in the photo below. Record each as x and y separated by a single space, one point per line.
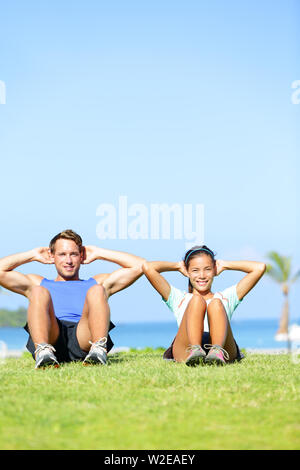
153 270
254 269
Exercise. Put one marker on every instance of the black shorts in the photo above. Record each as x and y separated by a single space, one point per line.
168 354
67 348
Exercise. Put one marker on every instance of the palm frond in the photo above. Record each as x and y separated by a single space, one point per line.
281 267
276 258
274 273
295 277
287 260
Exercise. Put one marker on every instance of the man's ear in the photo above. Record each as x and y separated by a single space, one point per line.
82 254
51 255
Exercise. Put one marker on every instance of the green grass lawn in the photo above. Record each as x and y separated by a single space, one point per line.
140 401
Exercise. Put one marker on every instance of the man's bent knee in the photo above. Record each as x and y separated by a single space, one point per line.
39 292
96 290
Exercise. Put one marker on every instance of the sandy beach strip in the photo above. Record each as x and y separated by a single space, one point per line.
19 352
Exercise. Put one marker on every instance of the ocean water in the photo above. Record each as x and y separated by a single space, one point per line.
249 334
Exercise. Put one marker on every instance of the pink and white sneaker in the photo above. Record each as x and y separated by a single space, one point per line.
217 355
197 354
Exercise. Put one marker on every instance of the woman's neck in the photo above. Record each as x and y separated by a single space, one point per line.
205 295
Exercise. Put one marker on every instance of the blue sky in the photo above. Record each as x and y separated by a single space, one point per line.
184 102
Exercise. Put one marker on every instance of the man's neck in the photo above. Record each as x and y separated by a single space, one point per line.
61 278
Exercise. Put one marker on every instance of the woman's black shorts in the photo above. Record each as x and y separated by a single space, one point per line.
168 354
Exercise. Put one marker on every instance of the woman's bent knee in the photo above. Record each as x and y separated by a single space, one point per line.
198 301
215 304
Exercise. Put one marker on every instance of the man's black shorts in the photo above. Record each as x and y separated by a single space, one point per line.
67 348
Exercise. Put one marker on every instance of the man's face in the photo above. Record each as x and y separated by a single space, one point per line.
67 258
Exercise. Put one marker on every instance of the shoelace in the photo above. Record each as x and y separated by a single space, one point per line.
194 347
100 343
219 348
42 346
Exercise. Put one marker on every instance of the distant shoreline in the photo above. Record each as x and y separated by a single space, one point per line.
251 336
234 321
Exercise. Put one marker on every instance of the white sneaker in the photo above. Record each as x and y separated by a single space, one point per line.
44 356
97 353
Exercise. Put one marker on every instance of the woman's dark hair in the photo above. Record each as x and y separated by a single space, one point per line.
193 253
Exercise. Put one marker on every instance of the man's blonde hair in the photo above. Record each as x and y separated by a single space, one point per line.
66 235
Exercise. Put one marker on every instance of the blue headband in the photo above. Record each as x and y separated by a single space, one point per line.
199 249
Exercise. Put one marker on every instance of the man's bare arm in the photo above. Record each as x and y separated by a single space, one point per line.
16 281
121 279
126 260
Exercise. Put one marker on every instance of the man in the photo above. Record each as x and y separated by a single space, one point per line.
69 313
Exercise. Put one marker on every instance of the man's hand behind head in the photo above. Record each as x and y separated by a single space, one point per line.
43 255
90 254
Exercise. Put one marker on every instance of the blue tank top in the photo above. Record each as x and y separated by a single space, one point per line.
68 297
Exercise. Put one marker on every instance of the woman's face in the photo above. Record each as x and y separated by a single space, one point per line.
201 272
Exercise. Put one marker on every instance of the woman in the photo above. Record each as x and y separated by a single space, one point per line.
202 316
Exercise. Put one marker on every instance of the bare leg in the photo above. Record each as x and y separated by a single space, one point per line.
42 323
95 319
219 328
191 328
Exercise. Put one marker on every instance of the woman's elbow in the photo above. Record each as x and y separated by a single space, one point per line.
138 265
262 268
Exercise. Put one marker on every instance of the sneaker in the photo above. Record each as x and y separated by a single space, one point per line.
216 355
44 356
196 355
97 353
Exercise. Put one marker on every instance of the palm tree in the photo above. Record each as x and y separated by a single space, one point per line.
281 271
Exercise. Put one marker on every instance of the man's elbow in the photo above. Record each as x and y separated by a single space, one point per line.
137 270
2 275
140 264
145 266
